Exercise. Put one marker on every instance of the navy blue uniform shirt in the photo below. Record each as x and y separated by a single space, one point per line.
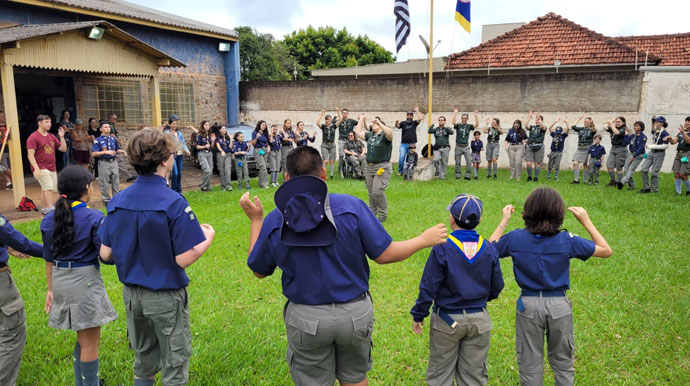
637 144
224 144
261 140
477 146
146 227
239 146
516 136
86 245
558 141
288 134
202 140
303 138
543 263
320 275
104 143
658 137
10 237
596 151
276 143
453 281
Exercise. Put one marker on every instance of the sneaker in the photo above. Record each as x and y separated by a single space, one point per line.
266 187
555 178
596 183
548 177
619 185
488 176
467 178
229 189
8 186
399 174
475 177
529 178
495 177
645 191
575 183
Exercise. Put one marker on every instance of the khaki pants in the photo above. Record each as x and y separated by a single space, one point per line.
242 172
12 330
653 161
206 163
441 161
262 165
516 153
551 317
225 169
461 152
632 166
108 175
359 164
376 187
459 353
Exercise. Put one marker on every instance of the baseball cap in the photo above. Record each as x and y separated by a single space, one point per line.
173 117
304 204
410 113
466 209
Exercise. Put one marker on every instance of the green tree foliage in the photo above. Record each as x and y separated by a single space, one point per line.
327 47
262 57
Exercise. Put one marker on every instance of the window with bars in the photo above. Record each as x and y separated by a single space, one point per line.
124 97
177 98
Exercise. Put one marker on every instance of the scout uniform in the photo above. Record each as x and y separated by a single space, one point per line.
155 287
585 138
408 137
261 157
619 153
108 173
121 161
318 239
637 151
274 158
534 151
462 149
358 162
492 149
410 163
241 167
345 127
224 162
681 165
303 138
460 276
328 149
205 157
442 146
378 171
477 147
557 144
541 268
12 315
516 151
596 152
285 146
654 160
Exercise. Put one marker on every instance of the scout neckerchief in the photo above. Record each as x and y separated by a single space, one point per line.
76 204
468 243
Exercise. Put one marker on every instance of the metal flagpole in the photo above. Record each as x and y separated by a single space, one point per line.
431 74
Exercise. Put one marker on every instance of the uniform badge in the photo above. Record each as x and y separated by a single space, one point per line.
470 249
188 210
2 221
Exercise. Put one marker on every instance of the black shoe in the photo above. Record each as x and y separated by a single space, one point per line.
529 178
467 178
575 183
619 185
536 179
687 192
476 178
489 176
645 191
132 178
495 177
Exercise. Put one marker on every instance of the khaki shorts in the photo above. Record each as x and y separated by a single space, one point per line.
328 151
48 180
681 167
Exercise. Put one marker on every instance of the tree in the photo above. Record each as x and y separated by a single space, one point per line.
262 57
327 47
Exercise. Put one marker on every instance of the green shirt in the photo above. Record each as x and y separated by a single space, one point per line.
617 139
355 146
536 134
441 135
379 148
328 132
463 133
494 136
585 136
345 127
113 130
682 145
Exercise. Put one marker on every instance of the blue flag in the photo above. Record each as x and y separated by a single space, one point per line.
402 23
462 14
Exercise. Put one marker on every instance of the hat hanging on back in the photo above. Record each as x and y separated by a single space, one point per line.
304 205
466 209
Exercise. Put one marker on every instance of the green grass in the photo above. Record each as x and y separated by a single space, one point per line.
631 311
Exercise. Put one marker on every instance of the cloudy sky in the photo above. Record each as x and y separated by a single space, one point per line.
375 17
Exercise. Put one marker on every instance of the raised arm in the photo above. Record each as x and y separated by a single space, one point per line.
386 130
455 116
318 121
339 115
602 248
553 124
529 118
420 116
578 120
476 118
508 211
359 131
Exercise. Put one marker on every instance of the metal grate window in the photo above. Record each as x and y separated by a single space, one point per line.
124 97
177 97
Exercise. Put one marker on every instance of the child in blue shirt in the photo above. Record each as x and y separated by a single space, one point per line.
239 153
477 146
596 154
460 276
541 255
558 137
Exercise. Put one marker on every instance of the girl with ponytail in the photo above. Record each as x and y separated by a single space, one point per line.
76 298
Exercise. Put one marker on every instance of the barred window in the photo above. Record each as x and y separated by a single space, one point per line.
105 96
177 97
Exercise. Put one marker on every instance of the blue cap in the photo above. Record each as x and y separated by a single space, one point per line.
307 218
662 120
173 117
466 209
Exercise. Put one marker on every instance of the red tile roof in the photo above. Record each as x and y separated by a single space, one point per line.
673 50
542 42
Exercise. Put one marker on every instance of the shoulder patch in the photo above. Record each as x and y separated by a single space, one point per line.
188 210
571 234
2 221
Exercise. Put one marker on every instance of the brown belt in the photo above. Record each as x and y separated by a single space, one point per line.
5 268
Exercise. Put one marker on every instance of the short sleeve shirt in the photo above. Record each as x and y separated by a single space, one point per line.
355 146
261 140
10 237
536 134
558 141
44 147
463 133
379 148
328 132
585 136
345 127
104 143
682 145
86 244
409 131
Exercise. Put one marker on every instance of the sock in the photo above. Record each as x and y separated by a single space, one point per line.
495 167
143 382
488 170
536 172
529 171
577 174
557 173
585 174
619 177
89 373
548 173
687 185
475 171
332 168
612 175
679 186
77 365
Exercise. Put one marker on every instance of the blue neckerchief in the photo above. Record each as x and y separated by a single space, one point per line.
76 204
457 239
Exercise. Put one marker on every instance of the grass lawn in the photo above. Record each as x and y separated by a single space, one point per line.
631 311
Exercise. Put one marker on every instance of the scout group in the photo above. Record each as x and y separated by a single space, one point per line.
321 242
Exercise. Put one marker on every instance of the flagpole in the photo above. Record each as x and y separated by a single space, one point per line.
431 74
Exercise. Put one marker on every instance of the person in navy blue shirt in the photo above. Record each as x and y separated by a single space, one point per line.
261 150
477 146
637 141
224 158
240 149
596 153
460 277
76 298
558 137
12 316
302 136
105 149
152 269
541 255
275 141
320 242
655 157
204 144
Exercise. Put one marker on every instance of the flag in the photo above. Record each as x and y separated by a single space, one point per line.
402 23
462 14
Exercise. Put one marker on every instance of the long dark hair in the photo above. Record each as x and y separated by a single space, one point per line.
521 132
73 182
264 132
203 132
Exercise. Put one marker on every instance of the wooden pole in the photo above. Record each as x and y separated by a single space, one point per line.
431 75
10 98
155 90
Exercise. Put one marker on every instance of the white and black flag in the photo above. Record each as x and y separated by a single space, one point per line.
402 23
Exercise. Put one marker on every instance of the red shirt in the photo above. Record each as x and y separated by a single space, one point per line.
45 147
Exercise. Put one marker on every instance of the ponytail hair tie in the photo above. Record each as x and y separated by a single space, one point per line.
63 195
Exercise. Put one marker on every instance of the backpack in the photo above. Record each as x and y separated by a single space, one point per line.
26 205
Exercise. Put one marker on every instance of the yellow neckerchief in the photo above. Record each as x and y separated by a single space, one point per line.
460 247
76 204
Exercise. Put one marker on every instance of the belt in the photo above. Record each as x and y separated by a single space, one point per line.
107 159
461 144
543 294
73 264
616 146
583 145
658 150
204 150
448 319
